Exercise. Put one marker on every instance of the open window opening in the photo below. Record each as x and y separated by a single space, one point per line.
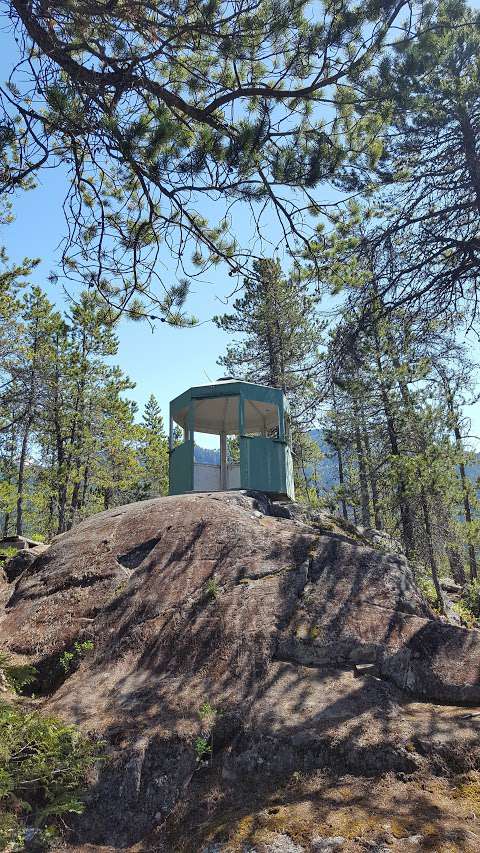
261 419
216 449
206 448
206 462
178 435
178 429
233 449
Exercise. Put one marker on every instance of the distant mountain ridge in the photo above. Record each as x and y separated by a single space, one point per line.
208 455
328 467
473 470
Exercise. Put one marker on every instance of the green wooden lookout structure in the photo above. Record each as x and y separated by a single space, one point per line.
256 415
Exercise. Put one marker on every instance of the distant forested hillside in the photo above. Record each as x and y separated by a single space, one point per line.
208 455
473 471
327 467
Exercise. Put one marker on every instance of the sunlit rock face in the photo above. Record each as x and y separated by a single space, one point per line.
287 644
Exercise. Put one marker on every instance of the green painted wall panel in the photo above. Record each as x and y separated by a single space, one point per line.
264 464
181 469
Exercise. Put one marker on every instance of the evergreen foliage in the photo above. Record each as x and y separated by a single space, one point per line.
160 108
388 395
44 765
155 110
397 383
276 338
424 190
69 441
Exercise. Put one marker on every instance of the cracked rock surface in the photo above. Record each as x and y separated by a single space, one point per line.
215 600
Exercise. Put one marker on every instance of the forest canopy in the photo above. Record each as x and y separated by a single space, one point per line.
164 115
421 203
70 441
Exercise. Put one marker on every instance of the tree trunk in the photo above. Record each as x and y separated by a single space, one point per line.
338 450
28 425
59 445
362 467
470 149
363 480
456 564
472 559
11 471
62 505
406 517
431 551
341 480
372 476
74 501
51 515
61 485
86 477
21 479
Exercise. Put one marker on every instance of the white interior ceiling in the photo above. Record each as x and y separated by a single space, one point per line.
220 414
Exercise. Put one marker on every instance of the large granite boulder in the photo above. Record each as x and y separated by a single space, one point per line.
362 606
23 559
215 621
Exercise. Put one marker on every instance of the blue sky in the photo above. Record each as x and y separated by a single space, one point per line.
162 362
166 361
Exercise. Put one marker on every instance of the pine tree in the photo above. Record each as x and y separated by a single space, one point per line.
153 451
455 386
37 320
428 175
117 465
280 338
69 443
392 422
179 97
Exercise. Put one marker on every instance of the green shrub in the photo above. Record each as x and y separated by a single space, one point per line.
208 714
212 589
43 768
70 658
17 676
471 598
203 748
203 745
8 552
11 832
427 588
467 617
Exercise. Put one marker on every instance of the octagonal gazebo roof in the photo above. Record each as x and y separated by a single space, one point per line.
216 408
